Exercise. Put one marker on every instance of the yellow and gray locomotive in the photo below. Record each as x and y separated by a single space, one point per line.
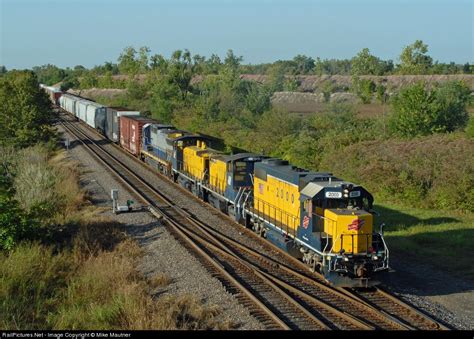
321 219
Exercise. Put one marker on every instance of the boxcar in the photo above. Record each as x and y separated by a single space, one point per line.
112 121
68 103
54 93
131 132
95 115
81 108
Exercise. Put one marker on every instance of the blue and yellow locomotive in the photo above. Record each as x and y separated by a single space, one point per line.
316 217
322 220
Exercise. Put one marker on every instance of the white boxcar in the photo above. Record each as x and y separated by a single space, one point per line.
68 103
81 109
95 115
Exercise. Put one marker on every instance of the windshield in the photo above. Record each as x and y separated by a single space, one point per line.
354 203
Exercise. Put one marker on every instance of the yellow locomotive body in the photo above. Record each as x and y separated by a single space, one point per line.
319 218
217 173
278 201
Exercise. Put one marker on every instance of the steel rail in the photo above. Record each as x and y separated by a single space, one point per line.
347 294
231 280
386 302
348 318
358 323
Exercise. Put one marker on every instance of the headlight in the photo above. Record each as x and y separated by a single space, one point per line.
328 257
375 257
346 259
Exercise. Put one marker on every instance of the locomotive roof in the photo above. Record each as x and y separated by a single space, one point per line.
189 136
238 156
313 188
163 126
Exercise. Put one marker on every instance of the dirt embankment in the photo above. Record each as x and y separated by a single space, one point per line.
92 93
309 96
313 83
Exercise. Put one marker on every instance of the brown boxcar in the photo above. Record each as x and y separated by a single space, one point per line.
131 132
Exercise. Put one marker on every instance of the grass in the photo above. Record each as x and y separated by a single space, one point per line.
93 284
81 272
443 239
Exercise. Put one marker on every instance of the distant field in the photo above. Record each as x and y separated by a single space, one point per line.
440 238
362 110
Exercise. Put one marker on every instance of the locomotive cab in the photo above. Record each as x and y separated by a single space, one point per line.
337 218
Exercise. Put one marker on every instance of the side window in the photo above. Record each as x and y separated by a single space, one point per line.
277 192
282 194
306 206
292 198
286 196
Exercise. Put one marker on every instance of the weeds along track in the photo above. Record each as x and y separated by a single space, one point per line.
279 291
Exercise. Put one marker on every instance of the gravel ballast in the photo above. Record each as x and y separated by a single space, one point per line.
413 284
163 254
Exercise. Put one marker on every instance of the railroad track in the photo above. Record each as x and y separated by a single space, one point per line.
387 303
256 294
279 296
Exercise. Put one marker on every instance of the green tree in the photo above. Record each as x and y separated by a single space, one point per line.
414 59
69 82
79 70
381 93
25 112
257 97
418 111
158 62
365 63
165 98
363 88
49 74
327 88
276 78
89 80
451 101
290 85
304 64
181 71
127 61
232 62
143 56
213 64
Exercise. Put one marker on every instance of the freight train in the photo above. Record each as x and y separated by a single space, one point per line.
324 221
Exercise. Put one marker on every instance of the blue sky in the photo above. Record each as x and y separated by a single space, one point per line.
87 32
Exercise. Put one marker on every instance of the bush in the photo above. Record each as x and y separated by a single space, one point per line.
418 111
364 89
44 186
37 192
31 279
433 172
470 128
15 224
91 286
25 112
